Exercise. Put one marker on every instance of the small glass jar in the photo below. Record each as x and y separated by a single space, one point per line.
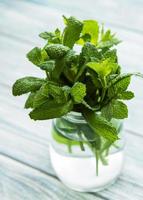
85 165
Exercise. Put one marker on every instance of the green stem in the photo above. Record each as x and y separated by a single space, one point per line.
104 89
47 74
97 163
103 159
69 146
107 152
81 143
81 146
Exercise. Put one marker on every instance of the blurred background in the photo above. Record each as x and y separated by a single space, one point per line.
24 159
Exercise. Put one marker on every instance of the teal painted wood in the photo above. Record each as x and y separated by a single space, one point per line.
25 169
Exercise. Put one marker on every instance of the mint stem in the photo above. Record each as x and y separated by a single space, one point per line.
69 147
97 163
81 146
80 142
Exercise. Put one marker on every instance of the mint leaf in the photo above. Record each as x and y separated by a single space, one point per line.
112 55
78 92
72 31
119 110
47 65
26 84
115 109
101 126
58 69
30 100
70 68
90 32
125 78
35 56
122 84
59 94
127 95
44 55
107 40
50 110
107 112
53 38
103 68
41 96
47 35
50 91
94 79
89 53
56 50
118 85
71 57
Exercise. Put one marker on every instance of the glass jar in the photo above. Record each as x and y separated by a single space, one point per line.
81 164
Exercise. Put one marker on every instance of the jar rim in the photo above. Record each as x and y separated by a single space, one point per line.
75 117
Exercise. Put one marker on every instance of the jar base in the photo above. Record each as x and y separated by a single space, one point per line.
79 173
98 189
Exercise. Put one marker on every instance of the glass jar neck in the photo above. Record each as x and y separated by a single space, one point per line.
74 117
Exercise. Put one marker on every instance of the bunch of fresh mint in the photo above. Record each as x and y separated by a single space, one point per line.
88 82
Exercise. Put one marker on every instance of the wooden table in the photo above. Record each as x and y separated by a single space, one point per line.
25 169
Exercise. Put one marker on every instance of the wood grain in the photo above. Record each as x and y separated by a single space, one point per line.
25 169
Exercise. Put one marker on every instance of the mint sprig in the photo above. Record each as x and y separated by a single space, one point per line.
89 81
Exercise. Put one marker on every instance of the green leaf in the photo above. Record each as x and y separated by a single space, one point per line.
59 68
95 79
47 65
112 54
119 110
41 96
72 31
115 109
107 40
44 55
26 84
90 30
127 95
101 126
121 77
60 94
122 84
50 110
47 35
118 85
39 100
71 57
89 53
50 91
71 62
30 100
103 68
107 112
78 92
54 38
35 56
56 50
